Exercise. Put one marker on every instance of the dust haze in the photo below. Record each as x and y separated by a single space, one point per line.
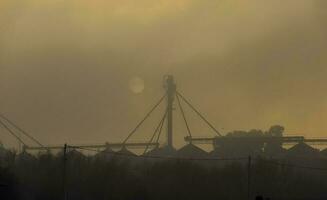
66 66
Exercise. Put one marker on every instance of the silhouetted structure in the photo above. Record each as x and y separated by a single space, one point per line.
106 154
303 149
162 151
125 152
233 144
191 151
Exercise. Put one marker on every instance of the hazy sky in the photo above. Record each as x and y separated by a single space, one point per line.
67 67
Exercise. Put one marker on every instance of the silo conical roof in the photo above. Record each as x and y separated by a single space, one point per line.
323 152
106 154
162 151
124 152
302 148
191 151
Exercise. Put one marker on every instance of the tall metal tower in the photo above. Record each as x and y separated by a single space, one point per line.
171 91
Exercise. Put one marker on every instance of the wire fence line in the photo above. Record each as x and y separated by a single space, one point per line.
292 165
160 157
272 162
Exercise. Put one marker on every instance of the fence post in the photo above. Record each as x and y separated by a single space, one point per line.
249 178
64 173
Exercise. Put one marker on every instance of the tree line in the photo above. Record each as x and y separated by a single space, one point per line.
88 177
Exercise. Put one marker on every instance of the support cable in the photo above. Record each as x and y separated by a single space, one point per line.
156 131
147 115
200 115
160 129
21 130
184 117
12 133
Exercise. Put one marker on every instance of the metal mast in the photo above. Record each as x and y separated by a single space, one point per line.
171 91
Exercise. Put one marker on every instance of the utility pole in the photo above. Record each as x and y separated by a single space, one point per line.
249 178
64 173
171 90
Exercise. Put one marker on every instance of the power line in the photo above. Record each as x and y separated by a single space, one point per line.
146 116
